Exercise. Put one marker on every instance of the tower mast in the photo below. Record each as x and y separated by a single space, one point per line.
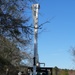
35 8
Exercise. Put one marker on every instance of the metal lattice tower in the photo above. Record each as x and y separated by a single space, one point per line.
35 8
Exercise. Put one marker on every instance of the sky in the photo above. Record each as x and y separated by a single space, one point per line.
57 37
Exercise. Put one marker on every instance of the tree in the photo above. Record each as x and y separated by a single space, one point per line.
73 53
12 23
11 53
56 70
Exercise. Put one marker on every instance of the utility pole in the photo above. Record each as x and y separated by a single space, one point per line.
35 8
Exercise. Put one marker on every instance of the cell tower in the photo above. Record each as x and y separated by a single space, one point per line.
37 70
35 8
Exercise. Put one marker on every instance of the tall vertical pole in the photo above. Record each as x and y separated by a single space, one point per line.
35 8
